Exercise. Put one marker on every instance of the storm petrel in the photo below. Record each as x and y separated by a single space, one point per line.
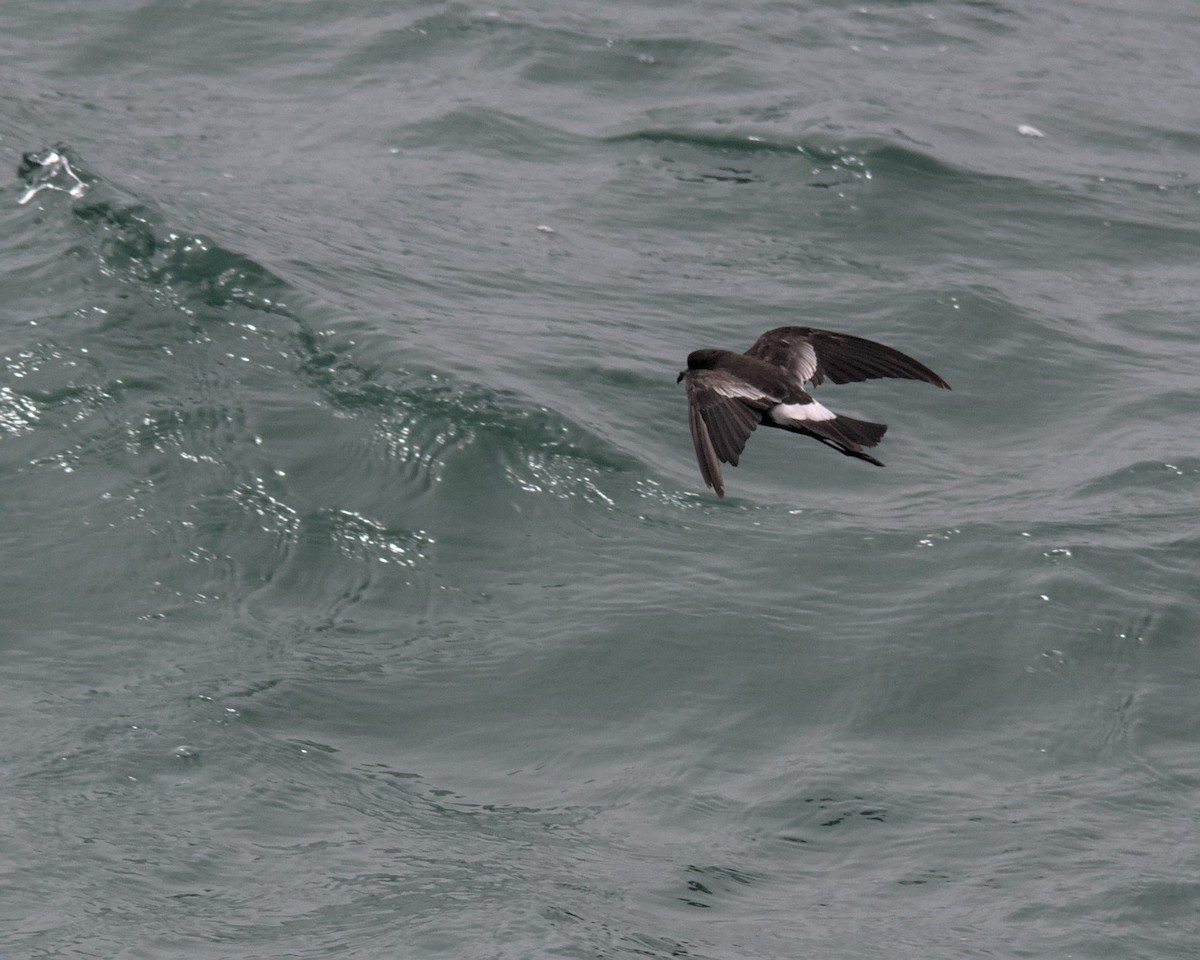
729 394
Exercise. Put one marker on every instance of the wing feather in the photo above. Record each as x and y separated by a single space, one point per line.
812 355
722 414
706 456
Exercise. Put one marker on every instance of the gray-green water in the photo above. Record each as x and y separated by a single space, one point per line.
361 597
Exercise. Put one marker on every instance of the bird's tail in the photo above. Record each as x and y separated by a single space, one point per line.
845 434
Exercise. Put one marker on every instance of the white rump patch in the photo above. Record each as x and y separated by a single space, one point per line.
799 412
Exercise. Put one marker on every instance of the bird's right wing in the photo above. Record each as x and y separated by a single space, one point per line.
812 355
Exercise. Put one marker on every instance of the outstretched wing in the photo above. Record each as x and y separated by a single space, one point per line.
812 355
722 412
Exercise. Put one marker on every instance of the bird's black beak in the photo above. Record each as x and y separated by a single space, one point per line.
682 374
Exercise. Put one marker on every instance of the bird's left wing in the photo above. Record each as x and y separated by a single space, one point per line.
722 412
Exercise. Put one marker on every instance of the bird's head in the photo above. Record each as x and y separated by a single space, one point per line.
702 360
705 359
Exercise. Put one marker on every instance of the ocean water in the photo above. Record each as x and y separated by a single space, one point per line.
361 596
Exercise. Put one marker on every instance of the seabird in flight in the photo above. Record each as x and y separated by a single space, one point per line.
729 394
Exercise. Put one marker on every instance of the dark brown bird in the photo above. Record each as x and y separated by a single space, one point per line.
729 394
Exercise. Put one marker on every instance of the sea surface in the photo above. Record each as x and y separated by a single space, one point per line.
360 595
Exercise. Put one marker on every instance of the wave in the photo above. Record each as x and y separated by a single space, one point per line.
416 419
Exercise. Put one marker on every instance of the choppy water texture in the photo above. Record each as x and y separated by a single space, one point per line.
361 597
